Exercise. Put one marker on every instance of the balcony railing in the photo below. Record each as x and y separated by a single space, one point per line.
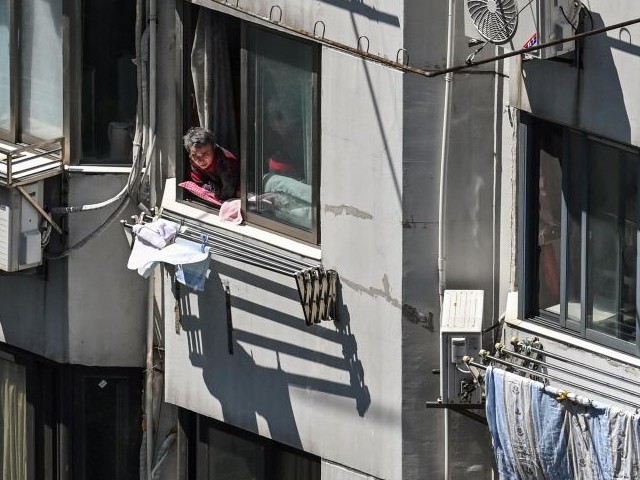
24 164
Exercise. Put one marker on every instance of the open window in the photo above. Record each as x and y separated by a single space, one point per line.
579 228
257 90
108 81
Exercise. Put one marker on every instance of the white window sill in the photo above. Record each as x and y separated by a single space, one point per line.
170 204
580 343
91 169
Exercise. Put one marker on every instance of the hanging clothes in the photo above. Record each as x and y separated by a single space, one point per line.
191 258
537 436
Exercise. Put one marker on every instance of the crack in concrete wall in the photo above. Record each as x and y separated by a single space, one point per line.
384 292
347 210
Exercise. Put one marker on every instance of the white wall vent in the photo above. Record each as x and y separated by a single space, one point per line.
517 24
460 335
20 238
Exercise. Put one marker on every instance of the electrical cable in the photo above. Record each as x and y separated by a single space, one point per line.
573 27
93 206
131 190
116 213
588 13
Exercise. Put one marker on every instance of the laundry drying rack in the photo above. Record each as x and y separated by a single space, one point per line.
567 377
317 286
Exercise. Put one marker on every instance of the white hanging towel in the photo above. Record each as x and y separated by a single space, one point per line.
145 254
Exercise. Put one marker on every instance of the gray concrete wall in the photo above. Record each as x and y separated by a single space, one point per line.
423 430
106 302
85 308
601 97
309 386
345 21
33 304
469 236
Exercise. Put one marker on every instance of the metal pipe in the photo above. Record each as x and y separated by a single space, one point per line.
152 169
555 391
148 404
228 251
442 203
444 155
551 377
578 364
239 248
502 350
407 68
298 264
535 48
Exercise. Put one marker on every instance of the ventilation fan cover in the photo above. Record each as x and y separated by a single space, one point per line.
495 20
516 24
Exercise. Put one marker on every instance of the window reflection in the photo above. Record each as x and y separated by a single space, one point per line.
280 75
41 68
5 71
611 303
549 217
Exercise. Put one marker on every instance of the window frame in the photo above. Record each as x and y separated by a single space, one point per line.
14 134
529 136
193 449
75 83
185 12
72 59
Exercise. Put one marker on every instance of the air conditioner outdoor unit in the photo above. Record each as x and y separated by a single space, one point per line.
20 237
460 335
518 24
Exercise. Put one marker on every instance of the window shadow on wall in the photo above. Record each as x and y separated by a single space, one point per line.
250 393
359 7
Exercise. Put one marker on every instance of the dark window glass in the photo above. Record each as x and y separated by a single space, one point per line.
574 201
109 85
227 453
280 83
611 297
549 216
108 421
584 256
5 71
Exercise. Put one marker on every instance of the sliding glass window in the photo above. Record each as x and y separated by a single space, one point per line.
5 61
579 228
41 90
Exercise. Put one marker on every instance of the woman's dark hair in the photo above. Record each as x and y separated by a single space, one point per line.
199 137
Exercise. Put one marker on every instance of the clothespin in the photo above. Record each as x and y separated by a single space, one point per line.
205 241
562 395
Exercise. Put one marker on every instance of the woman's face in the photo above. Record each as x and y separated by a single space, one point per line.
202 156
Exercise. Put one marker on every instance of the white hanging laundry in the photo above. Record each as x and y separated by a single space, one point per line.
158 234
145 255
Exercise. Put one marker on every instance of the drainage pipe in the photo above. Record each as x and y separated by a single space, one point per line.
442 204
150 172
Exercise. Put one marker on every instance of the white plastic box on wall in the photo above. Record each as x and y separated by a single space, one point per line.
460 335
20 237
